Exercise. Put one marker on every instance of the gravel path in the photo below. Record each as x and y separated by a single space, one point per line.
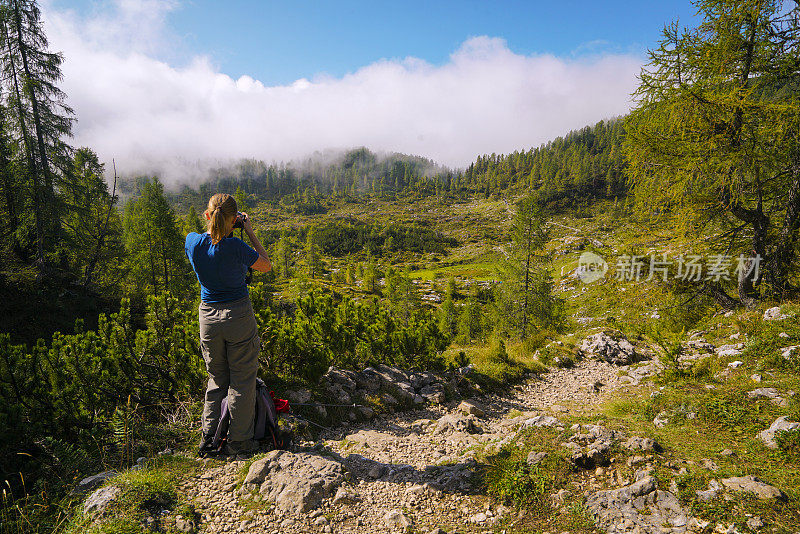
406 469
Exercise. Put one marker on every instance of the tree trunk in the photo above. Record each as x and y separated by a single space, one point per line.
715 291
90 268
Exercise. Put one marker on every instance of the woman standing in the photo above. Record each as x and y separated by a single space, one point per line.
228 333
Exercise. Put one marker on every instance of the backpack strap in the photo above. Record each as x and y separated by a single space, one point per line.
221 434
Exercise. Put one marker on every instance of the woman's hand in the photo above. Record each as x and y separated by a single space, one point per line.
263 263
246 222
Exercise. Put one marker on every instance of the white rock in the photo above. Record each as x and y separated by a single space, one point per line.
661 420
774 314
472 407
787 352
480 517
100 499
752 485
395 519
768 435
734 365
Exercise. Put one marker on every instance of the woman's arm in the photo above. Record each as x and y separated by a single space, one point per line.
263 263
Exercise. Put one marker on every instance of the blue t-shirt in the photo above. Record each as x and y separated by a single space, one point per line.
221 268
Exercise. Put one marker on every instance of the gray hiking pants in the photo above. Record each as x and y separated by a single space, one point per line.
230 344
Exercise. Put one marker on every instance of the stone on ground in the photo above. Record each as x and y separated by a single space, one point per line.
471 407
780 424
615 351
98 501
639 507
295 482
397 520
753 485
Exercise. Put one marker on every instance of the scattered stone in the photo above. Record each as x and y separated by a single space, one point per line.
185 525
458 422
726 452
710 464
300 396
416 490
735 364
753 485
787 352
755 523
783 335
636 443
774 314
369 438
768 393
346 497
471 407
295 482
535 457
99 500
727 351
661 420
697 525
780 424
397 520
541 420
640 506
93 482
606 348
755 377
707 495
480 517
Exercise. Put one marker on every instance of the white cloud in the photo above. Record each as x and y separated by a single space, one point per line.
146 112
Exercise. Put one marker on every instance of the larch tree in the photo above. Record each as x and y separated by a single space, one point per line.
91 221
156 257
714 140
526 292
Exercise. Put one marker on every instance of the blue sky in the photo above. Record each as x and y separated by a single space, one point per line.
279 42
160 85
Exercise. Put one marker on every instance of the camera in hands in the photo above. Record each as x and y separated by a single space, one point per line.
240 219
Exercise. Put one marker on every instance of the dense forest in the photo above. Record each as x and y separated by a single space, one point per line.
587 163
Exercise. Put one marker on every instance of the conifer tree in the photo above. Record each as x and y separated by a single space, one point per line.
40 117
283 255
313 253
156 257
192 222
715 135
526 292
92 222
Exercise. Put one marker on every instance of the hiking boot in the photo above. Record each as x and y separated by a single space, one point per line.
240 450
206 447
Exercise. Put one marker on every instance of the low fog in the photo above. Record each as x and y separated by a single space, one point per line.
152 116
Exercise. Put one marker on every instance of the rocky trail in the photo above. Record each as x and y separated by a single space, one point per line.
415 468
418 464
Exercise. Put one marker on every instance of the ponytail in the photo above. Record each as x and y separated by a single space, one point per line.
221 207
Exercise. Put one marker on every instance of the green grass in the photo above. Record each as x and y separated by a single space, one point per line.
145 493
470 270
509 479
